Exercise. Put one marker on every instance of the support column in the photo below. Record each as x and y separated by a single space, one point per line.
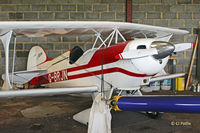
128 15
129 11
198 58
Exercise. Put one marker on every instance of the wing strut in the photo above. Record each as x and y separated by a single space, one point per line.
6 42
110 37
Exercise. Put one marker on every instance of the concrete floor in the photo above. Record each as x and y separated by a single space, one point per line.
12 120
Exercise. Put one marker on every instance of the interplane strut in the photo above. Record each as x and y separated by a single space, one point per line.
6 42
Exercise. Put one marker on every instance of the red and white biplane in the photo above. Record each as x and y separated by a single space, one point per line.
97 72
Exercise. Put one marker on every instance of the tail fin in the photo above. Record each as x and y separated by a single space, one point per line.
36 56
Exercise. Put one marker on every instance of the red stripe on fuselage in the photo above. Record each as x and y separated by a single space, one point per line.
106 71
58 75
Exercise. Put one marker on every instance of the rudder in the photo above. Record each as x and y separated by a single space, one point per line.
36 56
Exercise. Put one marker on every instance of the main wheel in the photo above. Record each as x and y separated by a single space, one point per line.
154 115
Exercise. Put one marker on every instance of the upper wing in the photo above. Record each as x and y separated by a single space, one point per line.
46 92
45 28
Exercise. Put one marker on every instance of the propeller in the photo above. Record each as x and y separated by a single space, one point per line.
158 49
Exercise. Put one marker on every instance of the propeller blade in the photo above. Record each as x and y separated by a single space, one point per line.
133 54
183 46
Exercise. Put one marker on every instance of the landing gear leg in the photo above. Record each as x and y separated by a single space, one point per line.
137 92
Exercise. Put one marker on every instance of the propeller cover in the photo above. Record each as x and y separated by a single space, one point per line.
164 49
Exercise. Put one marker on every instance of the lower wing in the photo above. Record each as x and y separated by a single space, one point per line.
47 92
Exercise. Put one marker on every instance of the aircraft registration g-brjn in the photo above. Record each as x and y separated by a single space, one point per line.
104 72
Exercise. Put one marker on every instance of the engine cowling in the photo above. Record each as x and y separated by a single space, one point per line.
150 56
151 64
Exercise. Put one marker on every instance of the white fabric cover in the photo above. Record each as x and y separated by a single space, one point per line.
100 116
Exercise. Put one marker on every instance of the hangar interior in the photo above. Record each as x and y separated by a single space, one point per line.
178 14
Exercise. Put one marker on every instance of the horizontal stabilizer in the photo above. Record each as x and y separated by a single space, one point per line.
164 77
133 54
183 46
46 92
23 77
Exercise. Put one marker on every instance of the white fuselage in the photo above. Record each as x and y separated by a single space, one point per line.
87 70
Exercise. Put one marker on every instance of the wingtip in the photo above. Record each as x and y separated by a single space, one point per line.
193 45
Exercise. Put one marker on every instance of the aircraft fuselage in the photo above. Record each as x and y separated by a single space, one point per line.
87 70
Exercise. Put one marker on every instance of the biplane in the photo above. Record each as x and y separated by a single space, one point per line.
112 66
